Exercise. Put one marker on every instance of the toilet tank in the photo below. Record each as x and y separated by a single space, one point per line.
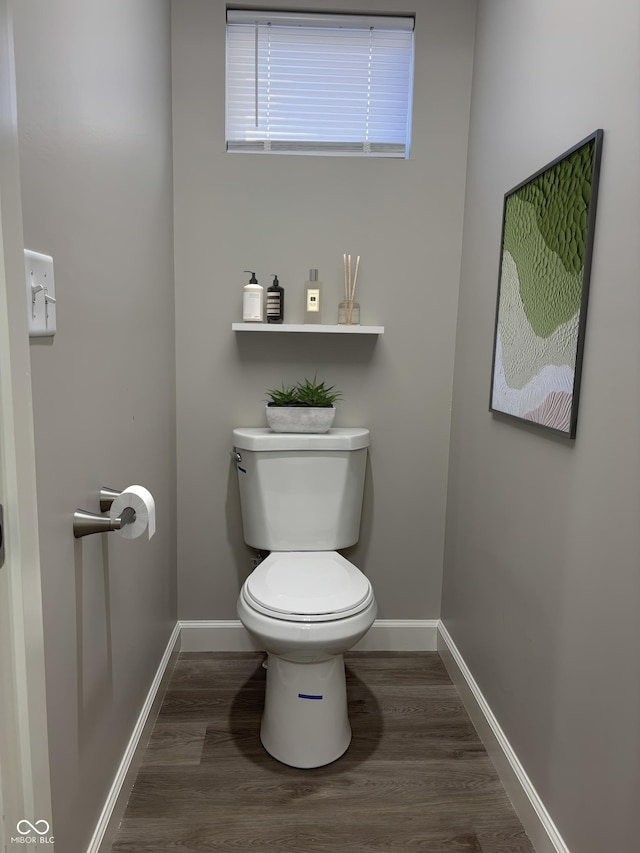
301 491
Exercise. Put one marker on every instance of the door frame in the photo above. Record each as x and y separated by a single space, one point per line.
25 788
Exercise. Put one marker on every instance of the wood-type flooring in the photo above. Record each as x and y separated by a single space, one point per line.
415 777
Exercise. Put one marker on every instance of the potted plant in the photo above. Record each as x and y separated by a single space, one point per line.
307 406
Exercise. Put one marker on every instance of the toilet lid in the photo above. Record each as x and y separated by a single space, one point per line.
308 584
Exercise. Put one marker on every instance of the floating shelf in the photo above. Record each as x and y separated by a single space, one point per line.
308 327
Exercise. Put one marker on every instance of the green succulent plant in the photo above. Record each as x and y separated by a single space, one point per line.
316 393
305 393
283 396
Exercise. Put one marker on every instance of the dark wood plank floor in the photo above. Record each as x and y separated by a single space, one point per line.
415 777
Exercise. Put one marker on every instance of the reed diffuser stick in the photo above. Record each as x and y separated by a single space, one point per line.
352 292
350 284
346 283
355 279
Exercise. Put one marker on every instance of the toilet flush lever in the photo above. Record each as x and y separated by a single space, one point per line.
237 458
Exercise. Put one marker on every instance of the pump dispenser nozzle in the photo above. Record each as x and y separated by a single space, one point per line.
253 279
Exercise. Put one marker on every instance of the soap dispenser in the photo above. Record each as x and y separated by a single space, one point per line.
252 300
275 302
312 291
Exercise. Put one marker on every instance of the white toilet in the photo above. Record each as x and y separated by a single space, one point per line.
301 498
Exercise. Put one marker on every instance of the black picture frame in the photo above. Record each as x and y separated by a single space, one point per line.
546 245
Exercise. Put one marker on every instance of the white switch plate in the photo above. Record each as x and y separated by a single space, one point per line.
41 290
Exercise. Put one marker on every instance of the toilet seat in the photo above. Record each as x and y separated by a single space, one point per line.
307 586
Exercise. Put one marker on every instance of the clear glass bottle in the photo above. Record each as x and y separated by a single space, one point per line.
312 294
349 313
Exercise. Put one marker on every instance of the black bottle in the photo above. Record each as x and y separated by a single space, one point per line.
275 302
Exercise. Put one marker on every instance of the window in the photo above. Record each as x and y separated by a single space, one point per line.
319 83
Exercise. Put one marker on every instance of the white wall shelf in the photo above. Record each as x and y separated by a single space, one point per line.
308 327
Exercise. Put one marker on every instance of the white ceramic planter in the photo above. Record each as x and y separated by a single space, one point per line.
300 418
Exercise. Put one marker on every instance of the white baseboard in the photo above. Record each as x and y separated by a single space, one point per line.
529 807
215 635
400 635
127 758
385 635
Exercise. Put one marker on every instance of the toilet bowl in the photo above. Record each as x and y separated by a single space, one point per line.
305 604
306 609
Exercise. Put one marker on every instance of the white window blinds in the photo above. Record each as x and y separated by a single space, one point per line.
319 84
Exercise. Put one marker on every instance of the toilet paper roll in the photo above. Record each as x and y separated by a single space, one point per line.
141 501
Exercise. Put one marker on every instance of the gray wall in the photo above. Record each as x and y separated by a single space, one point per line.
541 584
285 215
94 108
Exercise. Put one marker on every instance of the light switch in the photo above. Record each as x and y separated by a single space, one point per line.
41 294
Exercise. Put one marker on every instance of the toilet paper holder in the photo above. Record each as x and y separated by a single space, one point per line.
85 523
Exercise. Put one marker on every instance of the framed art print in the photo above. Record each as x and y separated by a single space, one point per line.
543 288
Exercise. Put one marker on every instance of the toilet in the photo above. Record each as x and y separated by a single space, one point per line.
305 604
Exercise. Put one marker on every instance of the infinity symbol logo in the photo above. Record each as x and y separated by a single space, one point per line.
24 827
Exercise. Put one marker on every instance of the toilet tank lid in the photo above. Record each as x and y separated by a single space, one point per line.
263 438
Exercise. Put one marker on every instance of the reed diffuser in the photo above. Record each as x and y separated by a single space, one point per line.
349 309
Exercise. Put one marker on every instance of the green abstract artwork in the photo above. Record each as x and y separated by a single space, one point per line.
543 284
